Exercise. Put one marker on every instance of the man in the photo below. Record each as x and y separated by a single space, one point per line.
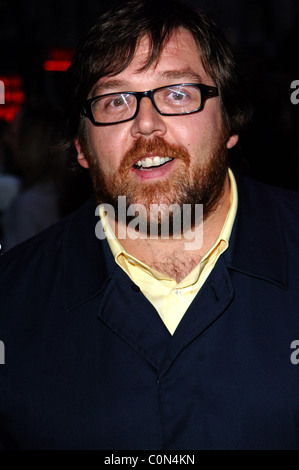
155 341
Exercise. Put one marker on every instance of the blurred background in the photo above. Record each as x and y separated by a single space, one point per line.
37 41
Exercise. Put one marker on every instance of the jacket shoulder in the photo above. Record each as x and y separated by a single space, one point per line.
48 243
49 236
283 200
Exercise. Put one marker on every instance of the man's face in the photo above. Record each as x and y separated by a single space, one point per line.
195 145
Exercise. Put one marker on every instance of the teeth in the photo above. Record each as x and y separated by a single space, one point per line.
150 162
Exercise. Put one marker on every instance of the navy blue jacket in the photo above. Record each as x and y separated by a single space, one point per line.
89 363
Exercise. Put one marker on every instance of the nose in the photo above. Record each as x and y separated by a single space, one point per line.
148 121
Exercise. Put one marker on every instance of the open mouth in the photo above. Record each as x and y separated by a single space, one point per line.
150 163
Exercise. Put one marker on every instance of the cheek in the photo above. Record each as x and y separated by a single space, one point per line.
199 129
106 147
195 134
212 119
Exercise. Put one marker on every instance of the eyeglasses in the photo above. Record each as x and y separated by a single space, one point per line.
171 100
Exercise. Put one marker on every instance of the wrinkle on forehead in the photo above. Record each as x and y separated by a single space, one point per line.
181 39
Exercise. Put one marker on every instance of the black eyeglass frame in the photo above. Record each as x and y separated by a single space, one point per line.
206 91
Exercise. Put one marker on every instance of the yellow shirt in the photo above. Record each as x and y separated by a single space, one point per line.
172 299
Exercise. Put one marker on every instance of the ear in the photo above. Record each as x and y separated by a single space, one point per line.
232 141
80 157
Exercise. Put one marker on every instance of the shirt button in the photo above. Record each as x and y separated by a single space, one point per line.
178 291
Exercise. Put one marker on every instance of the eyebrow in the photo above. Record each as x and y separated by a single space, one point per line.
110 85
184 74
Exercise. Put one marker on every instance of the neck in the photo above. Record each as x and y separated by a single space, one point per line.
174 256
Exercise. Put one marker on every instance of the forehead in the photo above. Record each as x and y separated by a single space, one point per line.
179 60
181 45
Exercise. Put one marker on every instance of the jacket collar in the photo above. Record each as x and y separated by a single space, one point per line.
85 271
256 246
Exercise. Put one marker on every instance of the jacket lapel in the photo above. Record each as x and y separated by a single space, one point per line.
257 245
85 272
210 303
131 316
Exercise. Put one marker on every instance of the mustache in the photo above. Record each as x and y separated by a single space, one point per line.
143 147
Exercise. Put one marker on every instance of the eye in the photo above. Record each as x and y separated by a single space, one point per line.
177 96
117 101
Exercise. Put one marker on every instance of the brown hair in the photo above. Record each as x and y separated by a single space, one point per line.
109 47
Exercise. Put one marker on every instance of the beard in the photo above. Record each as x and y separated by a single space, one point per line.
202 184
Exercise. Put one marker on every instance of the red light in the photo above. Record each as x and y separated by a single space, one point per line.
13 97
8 112
58 59
56 65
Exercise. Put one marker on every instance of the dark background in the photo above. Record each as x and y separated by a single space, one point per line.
264 34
